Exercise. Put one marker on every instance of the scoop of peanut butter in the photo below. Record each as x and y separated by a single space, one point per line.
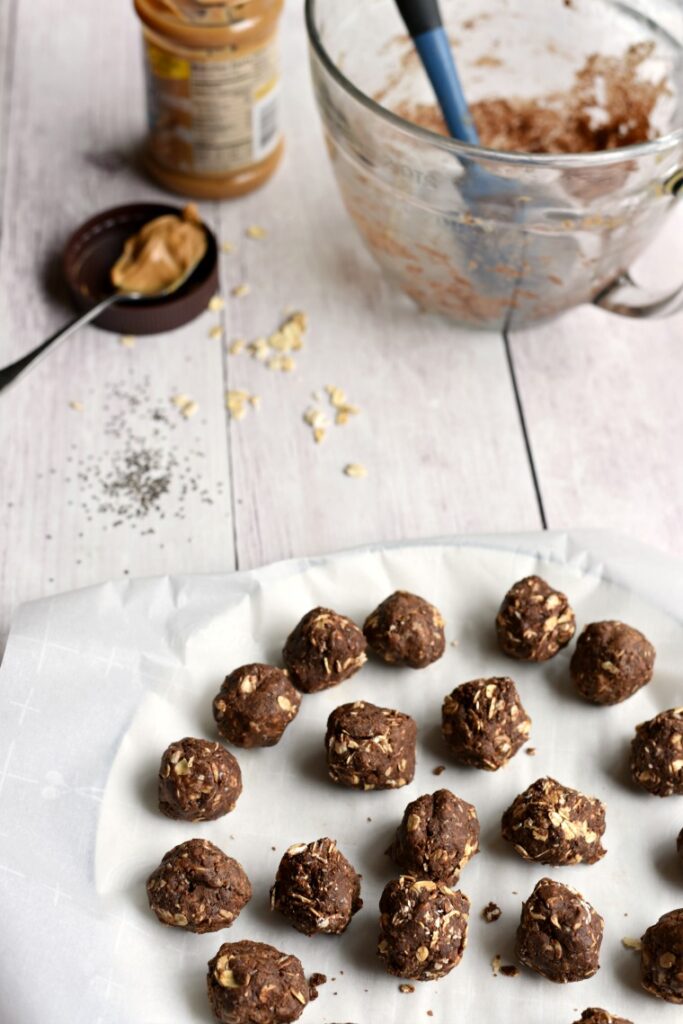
161 255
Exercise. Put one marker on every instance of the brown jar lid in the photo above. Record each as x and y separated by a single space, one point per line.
95 246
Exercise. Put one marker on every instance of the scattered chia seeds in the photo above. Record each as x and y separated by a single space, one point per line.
148 473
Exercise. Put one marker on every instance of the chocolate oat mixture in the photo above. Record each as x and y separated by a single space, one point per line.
608 106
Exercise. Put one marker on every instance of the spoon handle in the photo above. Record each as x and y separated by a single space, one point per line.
424 23
9 374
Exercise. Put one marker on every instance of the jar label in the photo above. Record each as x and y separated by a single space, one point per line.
216 115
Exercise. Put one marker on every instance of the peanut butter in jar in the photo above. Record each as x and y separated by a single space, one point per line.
213 93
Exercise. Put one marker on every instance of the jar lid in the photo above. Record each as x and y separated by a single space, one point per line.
206 12
206 23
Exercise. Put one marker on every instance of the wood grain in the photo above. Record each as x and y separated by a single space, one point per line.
602 398
8 11
73 131
438 430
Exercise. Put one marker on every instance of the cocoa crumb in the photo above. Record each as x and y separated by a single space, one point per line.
491 912
439 770
609 105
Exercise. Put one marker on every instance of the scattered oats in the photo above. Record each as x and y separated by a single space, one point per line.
495 964
319 434
216 304
127 341
634 944
189 409
285 363
185 405
227 247
256 232
216 332
337 395
237 346
355 469
406 989
259 349
238 401
315 417
289 337
76 406
338 401
240 290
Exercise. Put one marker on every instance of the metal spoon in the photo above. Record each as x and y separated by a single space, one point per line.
10 374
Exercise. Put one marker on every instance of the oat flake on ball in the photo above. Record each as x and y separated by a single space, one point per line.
324 649
370 747
534 621
198 780
657 754
255 705
198 887
438 835
406 630
484 723
316 888
661 958
553 824
560 933
423 928
612 661
254 983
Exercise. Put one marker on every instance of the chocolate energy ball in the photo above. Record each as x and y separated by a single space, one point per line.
255 705
560 933
661 958
553 824
316 888
198 887
323 650
423 928
198 780
438 835
370 747
595 1016
534 621
406 630
484 723
657 754
612 661
254 983
679 844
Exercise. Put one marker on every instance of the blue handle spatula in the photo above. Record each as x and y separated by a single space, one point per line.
423 20
424 23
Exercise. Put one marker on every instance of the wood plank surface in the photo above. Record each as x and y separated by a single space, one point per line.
68 515
602 399
438 430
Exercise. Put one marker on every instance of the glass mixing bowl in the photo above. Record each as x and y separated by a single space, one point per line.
490 238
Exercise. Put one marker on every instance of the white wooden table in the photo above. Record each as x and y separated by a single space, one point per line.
441 423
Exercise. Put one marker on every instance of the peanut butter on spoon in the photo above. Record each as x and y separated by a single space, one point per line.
160 257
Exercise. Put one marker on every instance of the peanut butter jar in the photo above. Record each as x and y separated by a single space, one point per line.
213 94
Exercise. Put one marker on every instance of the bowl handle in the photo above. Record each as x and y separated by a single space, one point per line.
625 297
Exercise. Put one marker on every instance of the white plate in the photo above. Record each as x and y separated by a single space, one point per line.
96 684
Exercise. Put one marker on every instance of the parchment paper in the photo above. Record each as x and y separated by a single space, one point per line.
95 684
